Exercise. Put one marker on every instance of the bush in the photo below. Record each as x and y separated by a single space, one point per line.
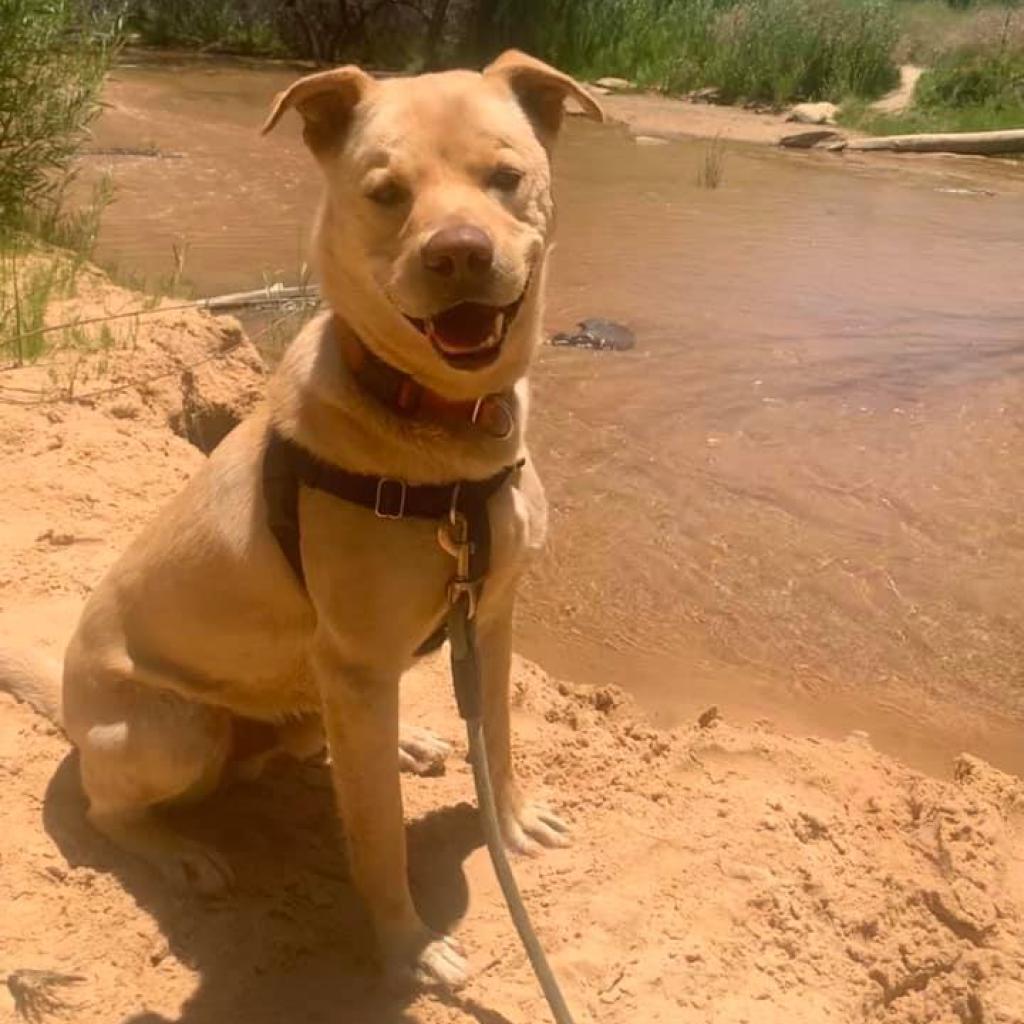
974 87
769 50
973 78
325 31
780 50
53 57
237 26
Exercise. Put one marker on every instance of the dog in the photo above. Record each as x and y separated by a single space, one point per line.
221 621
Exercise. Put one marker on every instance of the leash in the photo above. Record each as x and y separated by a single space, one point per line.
465 534
458 536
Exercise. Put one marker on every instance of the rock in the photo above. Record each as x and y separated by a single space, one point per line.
597 90
808 140
710 717
813 113
650 140
606 335
709 94
615 84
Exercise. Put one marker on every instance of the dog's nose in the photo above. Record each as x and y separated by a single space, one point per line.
458 249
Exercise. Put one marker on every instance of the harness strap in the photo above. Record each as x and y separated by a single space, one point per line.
287 466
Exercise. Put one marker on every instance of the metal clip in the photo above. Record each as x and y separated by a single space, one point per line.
453 536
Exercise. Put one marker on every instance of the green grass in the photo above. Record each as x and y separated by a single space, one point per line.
765 50
936 119
931 29
974 77
32 277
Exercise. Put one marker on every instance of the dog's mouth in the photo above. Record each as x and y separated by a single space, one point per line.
469 336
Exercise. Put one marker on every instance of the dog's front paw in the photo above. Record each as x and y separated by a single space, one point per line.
528 825
427 959
421 751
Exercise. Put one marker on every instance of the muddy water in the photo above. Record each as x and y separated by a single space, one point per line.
802 497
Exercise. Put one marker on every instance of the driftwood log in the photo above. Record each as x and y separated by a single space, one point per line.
272 296
971 143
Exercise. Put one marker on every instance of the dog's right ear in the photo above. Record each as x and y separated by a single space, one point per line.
326 101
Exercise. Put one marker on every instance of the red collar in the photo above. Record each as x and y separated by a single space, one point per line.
493 414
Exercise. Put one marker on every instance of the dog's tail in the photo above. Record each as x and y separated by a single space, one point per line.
34 679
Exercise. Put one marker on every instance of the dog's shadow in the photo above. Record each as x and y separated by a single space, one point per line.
291 942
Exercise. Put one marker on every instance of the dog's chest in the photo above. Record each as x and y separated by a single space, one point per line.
383 582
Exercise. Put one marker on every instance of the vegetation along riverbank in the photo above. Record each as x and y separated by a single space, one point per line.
768 52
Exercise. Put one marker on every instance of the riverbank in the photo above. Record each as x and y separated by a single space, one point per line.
653 116
653 119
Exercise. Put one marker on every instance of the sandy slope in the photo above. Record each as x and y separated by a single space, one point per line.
719 875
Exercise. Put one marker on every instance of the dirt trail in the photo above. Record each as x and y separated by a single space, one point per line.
719 874
899 99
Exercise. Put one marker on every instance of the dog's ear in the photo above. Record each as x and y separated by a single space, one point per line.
541 91
326 101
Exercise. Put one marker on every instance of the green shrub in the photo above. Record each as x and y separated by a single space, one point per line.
769 50
778 50
973 88
991 78
237 26
53 56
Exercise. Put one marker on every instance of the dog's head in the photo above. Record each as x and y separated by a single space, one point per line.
438 212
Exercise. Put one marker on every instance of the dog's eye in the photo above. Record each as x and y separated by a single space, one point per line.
505 179
388 193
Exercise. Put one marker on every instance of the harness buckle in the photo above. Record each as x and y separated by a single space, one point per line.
386 508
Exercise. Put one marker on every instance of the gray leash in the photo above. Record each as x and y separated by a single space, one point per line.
454 537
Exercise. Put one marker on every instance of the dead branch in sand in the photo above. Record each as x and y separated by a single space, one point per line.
273 295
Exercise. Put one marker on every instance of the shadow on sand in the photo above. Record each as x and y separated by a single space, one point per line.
291 944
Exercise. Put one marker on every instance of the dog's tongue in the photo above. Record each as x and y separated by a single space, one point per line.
467 325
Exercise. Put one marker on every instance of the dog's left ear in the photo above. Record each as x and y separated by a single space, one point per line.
541 91
326 102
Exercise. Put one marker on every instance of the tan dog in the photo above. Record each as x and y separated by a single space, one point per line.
432 240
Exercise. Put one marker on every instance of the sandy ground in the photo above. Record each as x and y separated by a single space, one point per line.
653 115
719 874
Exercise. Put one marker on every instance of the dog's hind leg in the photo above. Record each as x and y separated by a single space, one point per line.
141 747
